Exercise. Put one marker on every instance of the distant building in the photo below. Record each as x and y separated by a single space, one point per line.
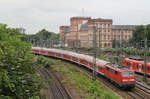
80 32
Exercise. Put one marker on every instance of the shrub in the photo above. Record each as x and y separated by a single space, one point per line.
45 61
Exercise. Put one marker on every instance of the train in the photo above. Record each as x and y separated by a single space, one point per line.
119 75
136 64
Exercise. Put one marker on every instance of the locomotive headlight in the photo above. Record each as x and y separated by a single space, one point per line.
131 80
125 80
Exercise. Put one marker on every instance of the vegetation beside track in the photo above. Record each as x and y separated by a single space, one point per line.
80 80
18 71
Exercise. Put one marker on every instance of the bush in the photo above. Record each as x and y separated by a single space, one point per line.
115 60
45 61
18 73
86 48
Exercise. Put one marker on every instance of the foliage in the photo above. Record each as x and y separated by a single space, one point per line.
18 77
139 35
115 60
103 58
44 36
86 48
44 61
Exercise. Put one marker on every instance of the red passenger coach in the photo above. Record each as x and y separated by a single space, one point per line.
121 76
136 64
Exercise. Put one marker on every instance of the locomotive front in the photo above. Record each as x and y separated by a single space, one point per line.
128 79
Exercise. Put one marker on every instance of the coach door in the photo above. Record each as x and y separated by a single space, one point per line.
140 67
131 65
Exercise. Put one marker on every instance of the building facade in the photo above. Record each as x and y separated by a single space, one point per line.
81 32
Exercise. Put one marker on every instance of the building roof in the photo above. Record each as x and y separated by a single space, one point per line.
80 18
124 27
100 20
84 27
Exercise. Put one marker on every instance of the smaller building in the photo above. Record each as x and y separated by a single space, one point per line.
123 32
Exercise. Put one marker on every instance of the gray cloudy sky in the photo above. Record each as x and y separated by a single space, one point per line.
34 15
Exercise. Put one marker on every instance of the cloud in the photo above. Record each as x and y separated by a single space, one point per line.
50 14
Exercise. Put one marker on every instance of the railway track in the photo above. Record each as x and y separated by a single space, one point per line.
142 90
56 89
143 87
135 95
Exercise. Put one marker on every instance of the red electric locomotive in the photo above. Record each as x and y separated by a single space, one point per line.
121 76
136 64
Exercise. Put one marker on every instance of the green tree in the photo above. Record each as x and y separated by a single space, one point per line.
115 43
18 76
44 36
138 35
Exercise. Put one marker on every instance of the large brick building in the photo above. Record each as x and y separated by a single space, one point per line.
81 32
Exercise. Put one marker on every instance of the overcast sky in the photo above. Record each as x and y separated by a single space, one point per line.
34 15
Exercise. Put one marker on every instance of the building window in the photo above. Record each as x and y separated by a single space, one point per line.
104 25
100 25
114 36
105 31
126 32
108 31
105 44
108 25
125 37
96 25
121 35
108 44
100 37
118 37
104 37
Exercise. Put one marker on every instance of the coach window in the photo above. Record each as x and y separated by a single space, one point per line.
132 64
127 63
137 66
65 56
101 68
107 68
142 67
116 72
74 58
147 68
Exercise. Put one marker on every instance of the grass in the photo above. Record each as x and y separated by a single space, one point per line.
80 80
